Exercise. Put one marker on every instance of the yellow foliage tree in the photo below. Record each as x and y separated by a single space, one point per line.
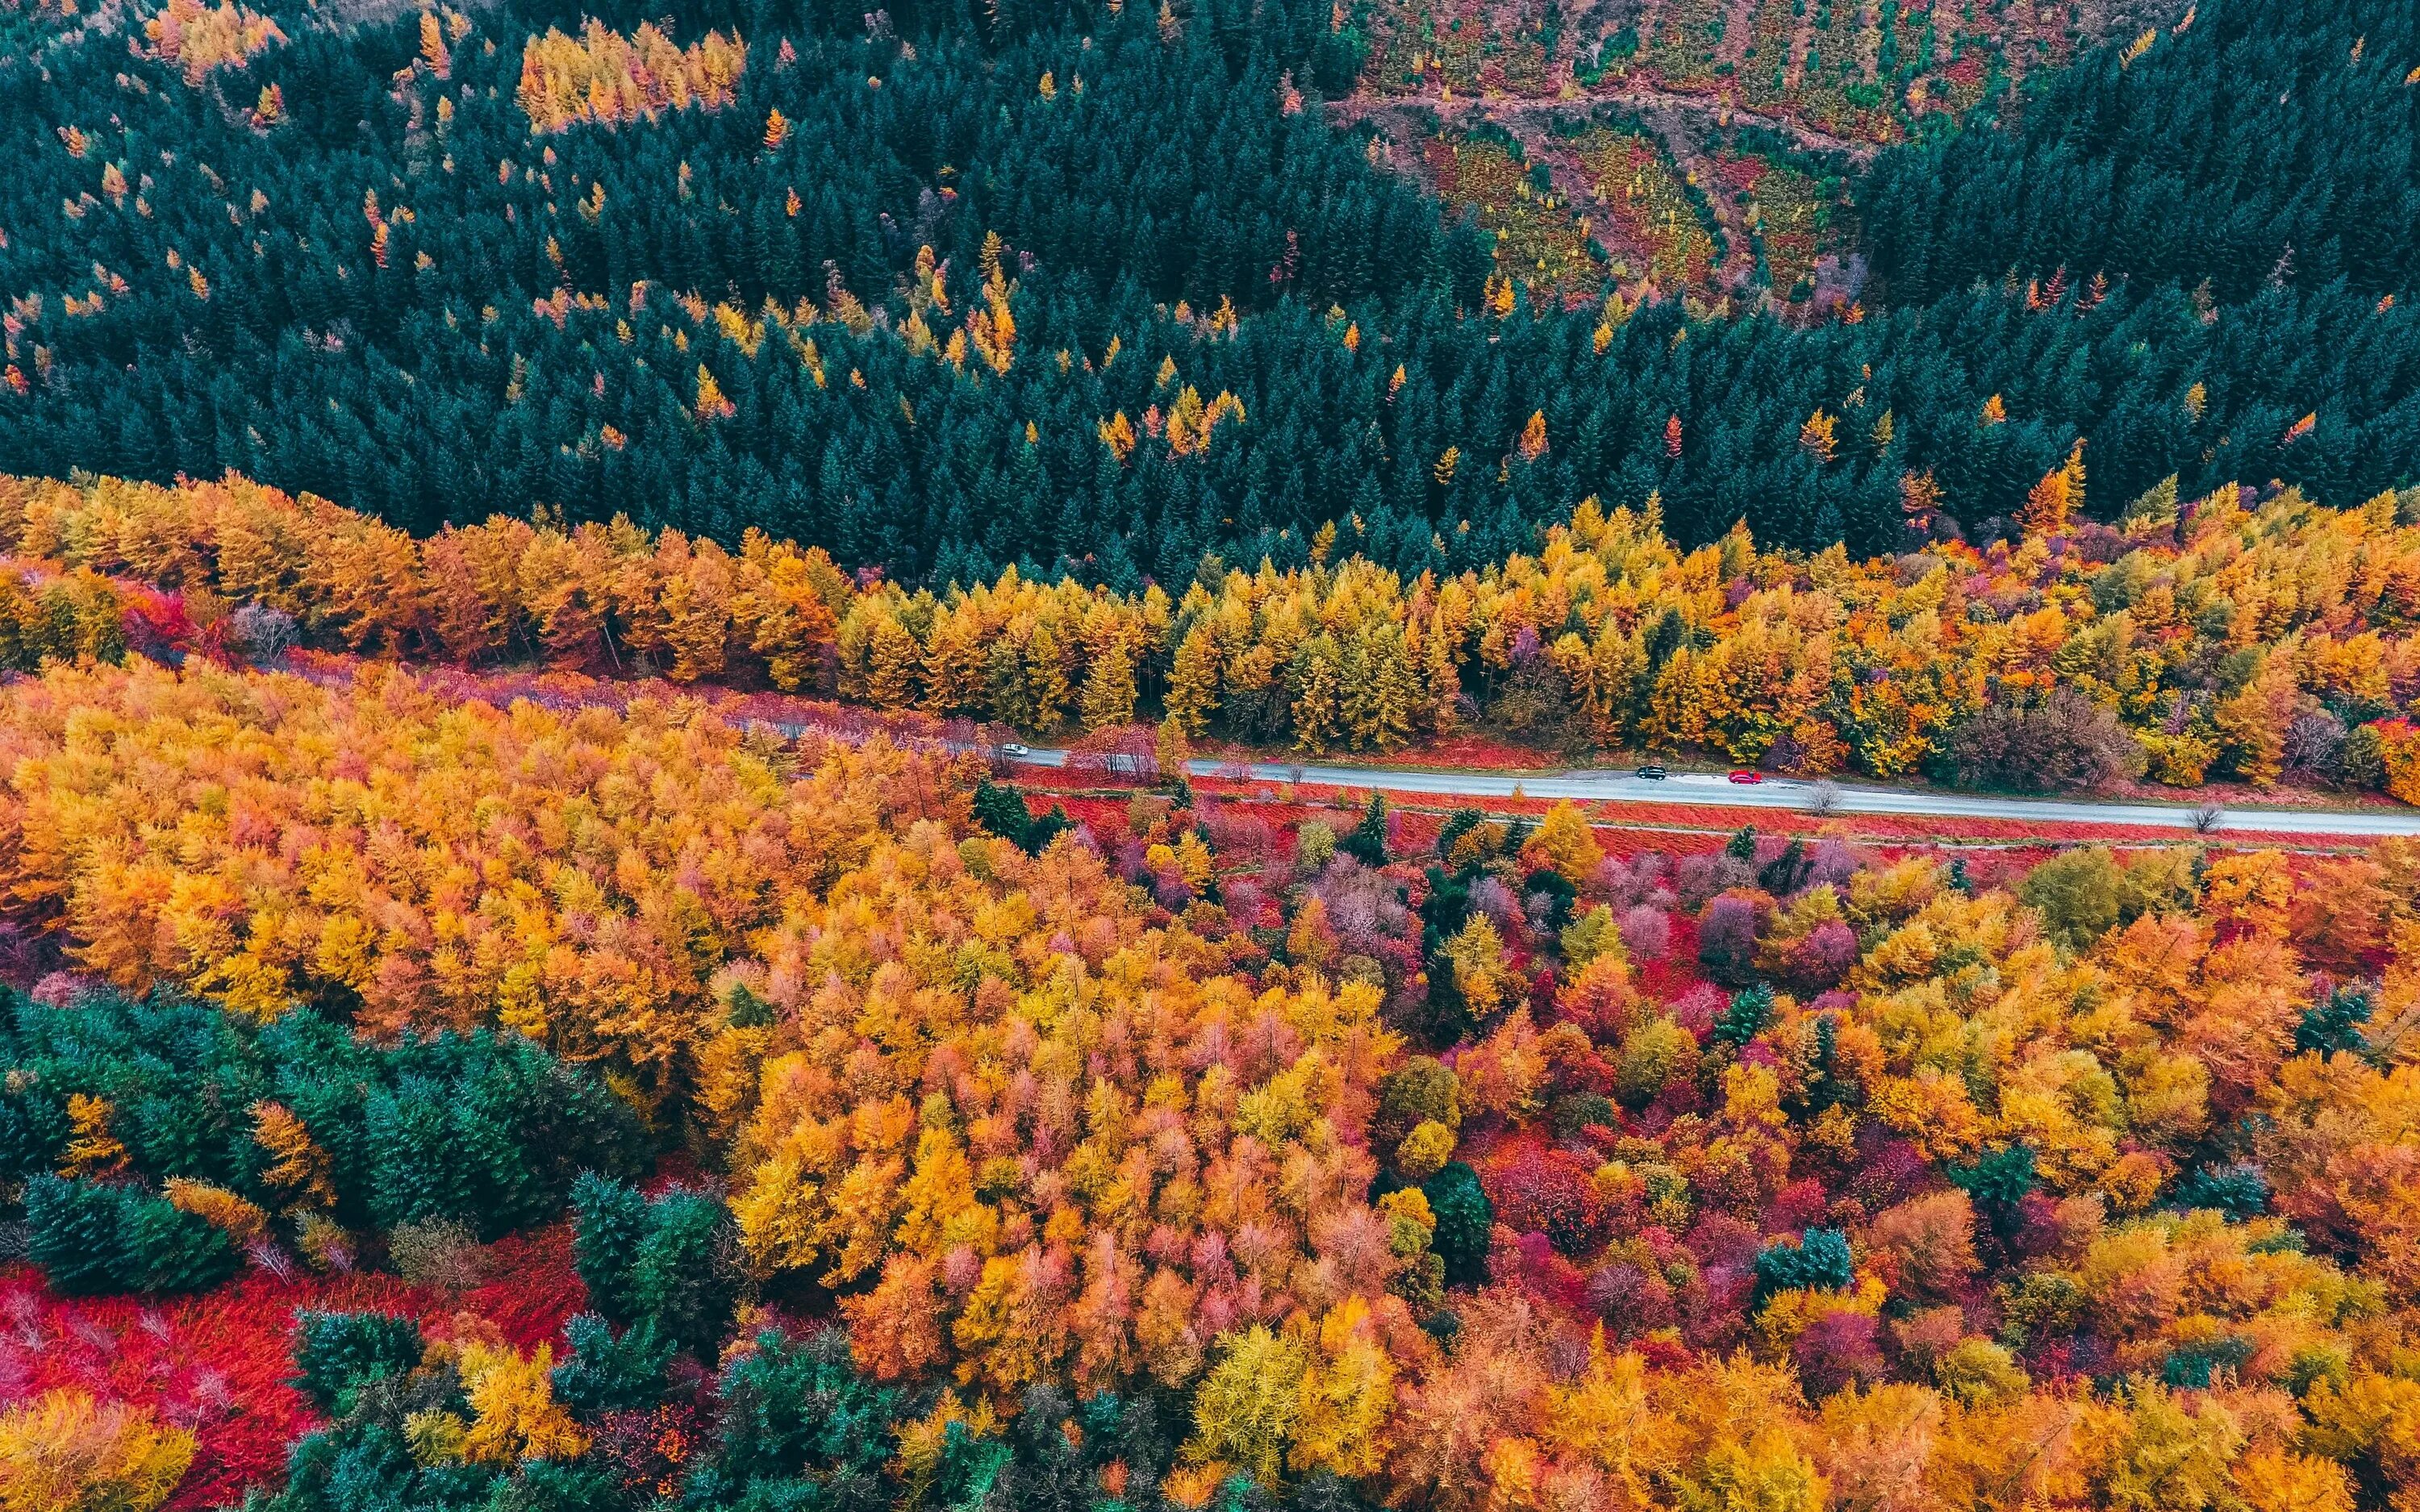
1193 681
2252 723
515 1416
1532 444
605 78
299 1171
93 1150
239 1217
200 39
1564 844
1476 957
1246 1409
65 1452
2056 497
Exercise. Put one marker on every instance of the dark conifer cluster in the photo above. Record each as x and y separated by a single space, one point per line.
146 1136
930 290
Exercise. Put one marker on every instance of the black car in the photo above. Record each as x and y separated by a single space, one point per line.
1652 774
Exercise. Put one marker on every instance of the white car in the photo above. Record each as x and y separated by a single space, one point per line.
1016 751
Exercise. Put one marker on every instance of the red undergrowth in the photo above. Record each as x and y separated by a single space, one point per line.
218 1363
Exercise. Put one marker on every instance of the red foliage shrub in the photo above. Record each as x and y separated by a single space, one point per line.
217 1363
1837 1350
1647 932
1697 1008
650 1449
1632 1299
535 1289
1238 835
1547 1191
1727 934
1714 1308
1122 755
155 623
1889 1169
1796 1206
1824 957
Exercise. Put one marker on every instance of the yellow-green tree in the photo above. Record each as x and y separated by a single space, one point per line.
65 1452
1564 844
1193 681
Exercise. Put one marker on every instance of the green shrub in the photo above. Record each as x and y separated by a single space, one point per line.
607 1373
673 1262
336 1352
1464 1220
71 1233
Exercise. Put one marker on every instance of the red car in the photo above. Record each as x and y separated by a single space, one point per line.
1743 775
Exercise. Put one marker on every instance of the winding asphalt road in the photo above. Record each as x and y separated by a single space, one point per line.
1713 790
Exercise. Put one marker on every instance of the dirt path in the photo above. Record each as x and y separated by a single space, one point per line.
1684 135
1739 28
1793 62
1646 101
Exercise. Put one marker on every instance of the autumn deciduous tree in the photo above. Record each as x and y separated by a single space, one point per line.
2252 723
2341 1157
1564 844
199 38
2057 498
1053 1152
2066 743
515 1416
63 1451
604 77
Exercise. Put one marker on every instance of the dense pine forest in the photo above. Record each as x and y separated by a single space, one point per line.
2270 146
944 291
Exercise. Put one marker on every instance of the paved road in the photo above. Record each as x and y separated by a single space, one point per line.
1711 790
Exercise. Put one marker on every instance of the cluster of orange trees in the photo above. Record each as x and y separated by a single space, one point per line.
580 877
2086 1186
199 40
606 78
606 598
1032 1132
2262 639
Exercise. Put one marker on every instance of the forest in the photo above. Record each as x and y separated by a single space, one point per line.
530 980
928 291
2254 641
435 1102
468 1050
